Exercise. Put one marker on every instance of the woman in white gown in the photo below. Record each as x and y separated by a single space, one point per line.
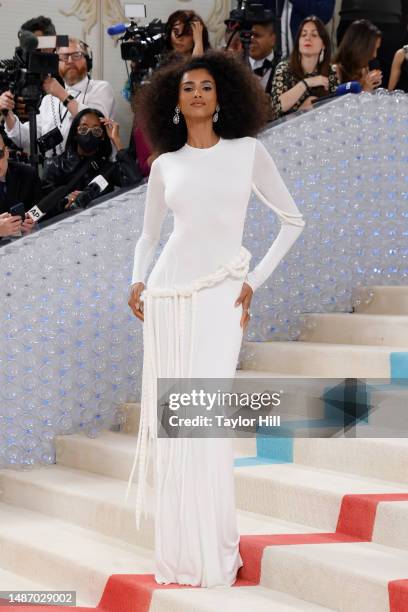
201 118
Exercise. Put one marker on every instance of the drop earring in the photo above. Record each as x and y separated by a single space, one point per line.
321 56
176 118
216 114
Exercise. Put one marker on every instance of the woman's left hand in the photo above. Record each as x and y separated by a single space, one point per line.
112 129
245 298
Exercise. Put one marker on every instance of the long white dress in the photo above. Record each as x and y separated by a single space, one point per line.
192 330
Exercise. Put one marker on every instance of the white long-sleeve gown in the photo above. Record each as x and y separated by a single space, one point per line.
192 330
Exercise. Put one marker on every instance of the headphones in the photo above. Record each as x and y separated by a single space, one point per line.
88 55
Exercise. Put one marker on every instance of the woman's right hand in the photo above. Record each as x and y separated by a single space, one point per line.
318 81
135 303
372 80
10 225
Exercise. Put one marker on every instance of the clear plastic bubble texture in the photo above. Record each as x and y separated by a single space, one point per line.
71 351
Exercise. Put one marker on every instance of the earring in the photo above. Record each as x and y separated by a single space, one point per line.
216 114
176 118
321 56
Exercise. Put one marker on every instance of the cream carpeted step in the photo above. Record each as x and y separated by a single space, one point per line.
241 599
351 577
391 300
97 503
345 328
89 500
63 556
320 359
304 495
15 582
384 458
112 454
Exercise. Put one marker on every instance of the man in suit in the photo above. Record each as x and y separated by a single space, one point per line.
262 56
18 183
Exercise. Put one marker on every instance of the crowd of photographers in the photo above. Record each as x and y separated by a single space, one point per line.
70 117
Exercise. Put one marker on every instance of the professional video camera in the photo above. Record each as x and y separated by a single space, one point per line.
24 75
244 17
143 46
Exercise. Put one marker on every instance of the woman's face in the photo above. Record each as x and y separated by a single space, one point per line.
310 42
90 132
181 41
197 95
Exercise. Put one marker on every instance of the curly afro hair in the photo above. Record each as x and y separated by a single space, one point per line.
244 105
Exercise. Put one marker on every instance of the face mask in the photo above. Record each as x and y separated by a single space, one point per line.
89 142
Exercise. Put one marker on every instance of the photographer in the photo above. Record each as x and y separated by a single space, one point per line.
18 183
262 55
61 104
186 34
87 155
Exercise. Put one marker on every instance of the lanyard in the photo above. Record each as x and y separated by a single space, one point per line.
77 96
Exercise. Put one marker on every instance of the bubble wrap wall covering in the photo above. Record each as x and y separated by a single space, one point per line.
70 350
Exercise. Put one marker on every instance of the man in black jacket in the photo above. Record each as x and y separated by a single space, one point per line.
390 16
18 183
262 56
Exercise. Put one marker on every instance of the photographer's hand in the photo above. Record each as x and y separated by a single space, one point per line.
52 87
7 104
197 31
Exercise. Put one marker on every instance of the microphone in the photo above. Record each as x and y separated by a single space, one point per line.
353 87
28 40
119 28
48 203
91 191
350 87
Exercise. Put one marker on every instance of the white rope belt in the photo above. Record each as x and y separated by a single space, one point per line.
236 268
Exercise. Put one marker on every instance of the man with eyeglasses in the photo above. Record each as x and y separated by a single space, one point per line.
18 183
61 104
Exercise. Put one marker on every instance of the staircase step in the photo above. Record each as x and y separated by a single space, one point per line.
92 501
386 300
355 576
112 454
366 329
96 502
15 582
240 599
384 458
63 556
301 494
320 359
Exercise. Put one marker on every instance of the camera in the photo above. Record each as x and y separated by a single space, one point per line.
243 18
50 140
143 46
24 74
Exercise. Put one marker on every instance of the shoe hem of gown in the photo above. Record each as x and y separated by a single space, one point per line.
188 581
